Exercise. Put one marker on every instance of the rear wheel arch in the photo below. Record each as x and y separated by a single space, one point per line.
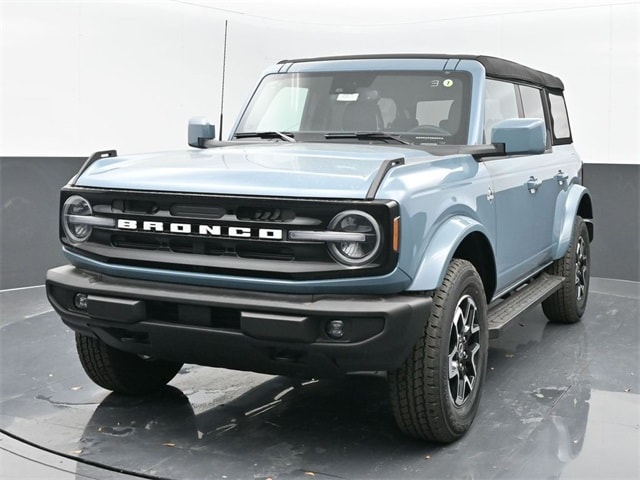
575 202
585 211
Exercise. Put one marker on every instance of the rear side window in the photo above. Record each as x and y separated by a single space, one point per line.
559 119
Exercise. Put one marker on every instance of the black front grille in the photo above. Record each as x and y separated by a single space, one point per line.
224 234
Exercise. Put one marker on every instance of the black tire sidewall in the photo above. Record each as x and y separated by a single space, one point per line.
120 371
467 282
581 232
563 306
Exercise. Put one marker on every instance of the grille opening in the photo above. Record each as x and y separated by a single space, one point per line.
134 206
265 253
225 318
126 336
143 242
196 315
211 248
199 211
200 247
292 356
265 214
181 246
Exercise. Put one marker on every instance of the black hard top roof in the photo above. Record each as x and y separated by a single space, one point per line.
495 67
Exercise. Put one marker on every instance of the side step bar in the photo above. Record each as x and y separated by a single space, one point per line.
520 301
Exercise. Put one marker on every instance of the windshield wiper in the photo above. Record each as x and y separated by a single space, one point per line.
366 136
287 136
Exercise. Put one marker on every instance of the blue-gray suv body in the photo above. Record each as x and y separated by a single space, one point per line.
368 213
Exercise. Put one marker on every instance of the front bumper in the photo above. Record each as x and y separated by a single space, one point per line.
274 333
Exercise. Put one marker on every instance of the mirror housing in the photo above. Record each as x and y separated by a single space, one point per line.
200 130
520 136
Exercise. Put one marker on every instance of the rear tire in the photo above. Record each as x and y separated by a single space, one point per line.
123 372
435 393
568 304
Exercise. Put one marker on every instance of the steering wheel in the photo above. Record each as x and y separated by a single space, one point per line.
430 130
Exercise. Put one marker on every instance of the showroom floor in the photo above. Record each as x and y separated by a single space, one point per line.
559 401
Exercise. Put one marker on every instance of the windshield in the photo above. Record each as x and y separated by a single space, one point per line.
420 107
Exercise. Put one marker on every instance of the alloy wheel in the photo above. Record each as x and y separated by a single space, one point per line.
582 269
464 346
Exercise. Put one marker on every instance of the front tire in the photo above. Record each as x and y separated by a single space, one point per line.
122 372
435 393
568 304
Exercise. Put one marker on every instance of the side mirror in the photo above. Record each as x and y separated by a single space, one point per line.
200 130
520 136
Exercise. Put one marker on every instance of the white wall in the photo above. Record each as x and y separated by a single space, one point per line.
82 76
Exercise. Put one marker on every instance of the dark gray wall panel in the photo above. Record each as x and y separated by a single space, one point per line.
616 206
29 218
29 242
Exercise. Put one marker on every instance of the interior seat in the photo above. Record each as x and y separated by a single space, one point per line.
364 114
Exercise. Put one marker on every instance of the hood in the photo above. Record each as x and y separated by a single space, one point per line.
313 170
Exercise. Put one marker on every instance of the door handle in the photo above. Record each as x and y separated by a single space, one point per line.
533 185
562 178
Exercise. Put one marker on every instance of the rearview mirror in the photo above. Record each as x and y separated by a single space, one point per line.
520 136
200 130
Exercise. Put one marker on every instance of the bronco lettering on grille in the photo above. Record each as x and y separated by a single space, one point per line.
204 230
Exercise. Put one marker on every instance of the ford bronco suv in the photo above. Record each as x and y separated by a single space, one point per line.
367 213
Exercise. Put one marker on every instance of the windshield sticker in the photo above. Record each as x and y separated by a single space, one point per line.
347 97
447 83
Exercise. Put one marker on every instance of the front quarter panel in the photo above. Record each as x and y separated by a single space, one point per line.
441 202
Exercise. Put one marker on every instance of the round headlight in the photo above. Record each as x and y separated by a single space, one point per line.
74 228
362 251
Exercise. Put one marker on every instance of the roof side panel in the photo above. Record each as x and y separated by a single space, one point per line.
494 66
508 70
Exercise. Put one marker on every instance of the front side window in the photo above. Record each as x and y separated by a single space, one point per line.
500 104
532 102
532 106
418 107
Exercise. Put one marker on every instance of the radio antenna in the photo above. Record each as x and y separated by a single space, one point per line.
224 69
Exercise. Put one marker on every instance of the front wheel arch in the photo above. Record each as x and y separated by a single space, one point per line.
458 237
476 249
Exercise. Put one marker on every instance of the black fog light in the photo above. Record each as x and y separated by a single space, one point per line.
81 301
335 329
